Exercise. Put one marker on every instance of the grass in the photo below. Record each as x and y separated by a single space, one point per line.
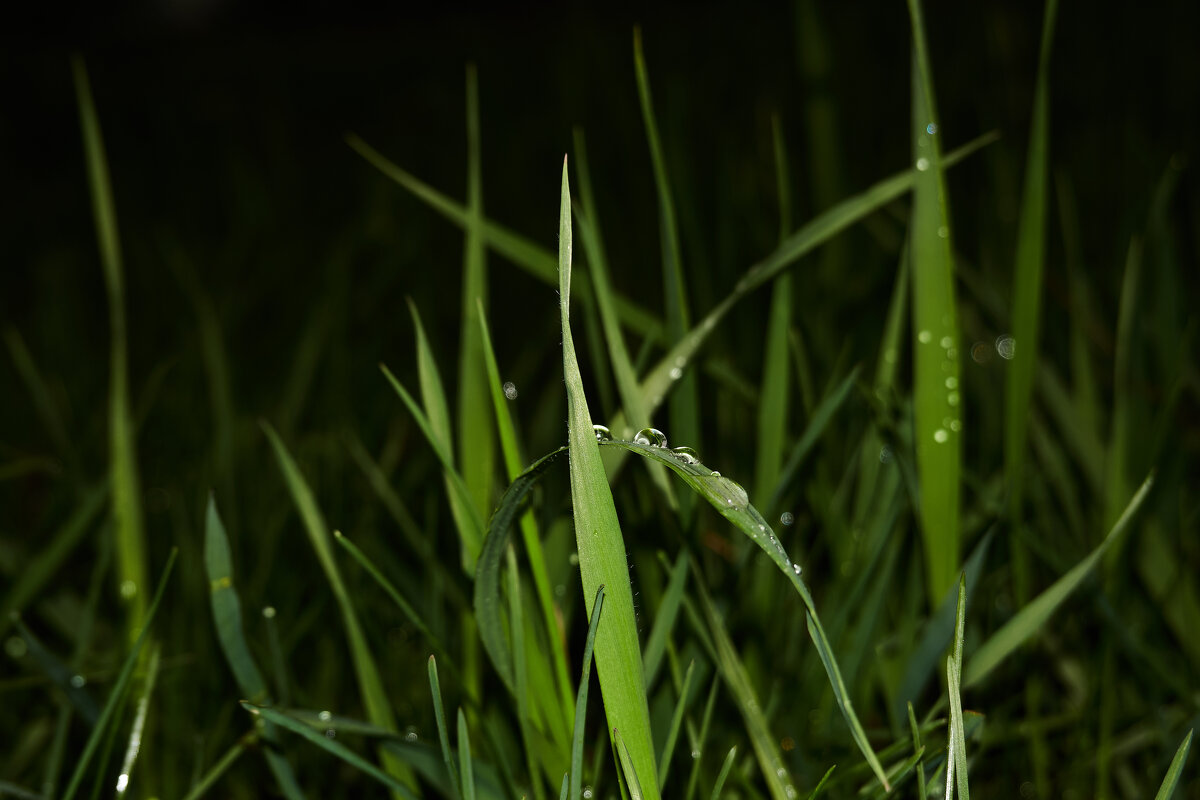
795 568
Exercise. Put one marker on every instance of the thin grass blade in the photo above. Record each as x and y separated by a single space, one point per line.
465 764
727 765
957 759
1171 779
576 773
664 761
439 717
664 618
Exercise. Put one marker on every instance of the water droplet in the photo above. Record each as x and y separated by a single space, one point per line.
676 373
981 352
790 791
947 342
787 518
931 128
956 425
952 353
781 773
573 559
269 612
588 793
1006 346
889 355
952 382
686 454
410 734
952 399
885 455
78 681
330 733
796 568
940 436
652 437
715 474
924 337
943 232
325 716
603 434
510 390
695 754
128 589
922 163
122 782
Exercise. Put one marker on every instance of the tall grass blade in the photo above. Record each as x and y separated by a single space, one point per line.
664 618
439 717
227 617
601 547
141 708
1171 779
664 761
370 685
576 773
116 696
936 399
632 781
1116 484
465 764
1029 620
956 761
128 530
726 765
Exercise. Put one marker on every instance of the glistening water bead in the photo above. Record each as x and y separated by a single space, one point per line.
603 434
685 454
651 437
510 390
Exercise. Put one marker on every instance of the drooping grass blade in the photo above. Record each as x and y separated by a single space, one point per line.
602 549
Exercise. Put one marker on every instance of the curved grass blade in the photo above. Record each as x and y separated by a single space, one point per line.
379 710
937 407
1029 620
816 792
128 527
724 773
1171 779
439 716
956 761
524 253
601 547
628 769
333 747
576 773
117 695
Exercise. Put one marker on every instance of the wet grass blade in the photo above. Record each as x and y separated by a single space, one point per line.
333 747
526 254
476 430
581 699
937 405
956 761
370 685
227 617
727 765
116 696
1029 620
1171 779
602 549
128 529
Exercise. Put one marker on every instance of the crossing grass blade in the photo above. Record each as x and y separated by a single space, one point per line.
664 619
576 774
918 749
1029 620
379 710
524 253
664 761
116 697
476 429
936 397
227 617
1171 779
602 549
633 782
126 510
956 761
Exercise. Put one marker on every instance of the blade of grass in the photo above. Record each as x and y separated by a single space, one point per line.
824 780
1117 485
664 761
39 392
214 773
439 717
370 685
128 531
917 748
1029 620
601 547
576 773
465 765
956 761
134 747
116 697
723 774
227 617
58 673
1171 779
937 405
632 781
701 739
664 618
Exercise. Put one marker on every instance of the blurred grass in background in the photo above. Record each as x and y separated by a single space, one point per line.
268 270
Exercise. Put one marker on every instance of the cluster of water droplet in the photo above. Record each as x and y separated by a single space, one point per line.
950 424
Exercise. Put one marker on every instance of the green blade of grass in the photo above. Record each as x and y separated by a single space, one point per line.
576 773
701 738
684 401
918 749
116 697
370 685
227 617
1029 620
1116 484
439 717
601 547
956 761
476 433
726 765
538 261
664 618
465 764
825 779
39 392
128 529
937 405
1171 779
633 781
134 746
664 761
58 673
202 786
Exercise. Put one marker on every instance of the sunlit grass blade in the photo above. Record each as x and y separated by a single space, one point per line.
581 699
126 509
602 548
773 396
439 717
38 571
1029 620
664 618
535 259
1027 296
133 747
937 405
370 685
514 464
1171 779
664 761
684 400
476 430
956 761
333 747
116 696
816 792
726 765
